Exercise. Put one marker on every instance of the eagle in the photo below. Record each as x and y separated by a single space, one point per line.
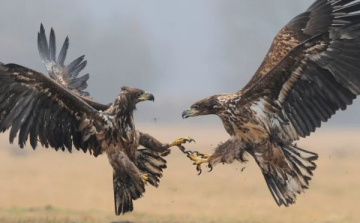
58 113
311 71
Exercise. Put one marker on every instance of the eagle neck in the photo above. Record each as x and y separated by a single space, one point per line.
124 113
227 123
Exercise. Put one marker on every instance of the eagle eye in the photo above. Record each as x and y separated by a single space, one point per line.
138 94
195 107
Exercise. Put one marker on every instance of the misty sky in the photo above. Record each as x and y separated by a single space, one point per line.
181 51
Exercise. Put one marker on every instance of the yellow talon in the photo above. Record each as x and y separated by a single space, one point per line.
145 178
199 159
181 141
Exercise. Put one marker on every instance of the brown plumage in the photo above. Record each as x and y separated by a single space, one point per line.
57 113
311 71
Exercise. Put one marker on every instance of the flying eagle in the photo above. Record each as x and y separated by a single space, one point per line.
311 71
58 113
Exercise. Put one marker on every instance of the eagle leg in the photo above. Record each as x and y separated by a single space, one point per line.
181 141
199 159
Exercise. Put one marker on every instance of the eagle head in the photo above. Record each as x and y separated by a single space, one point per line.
136 95
208 106
129 97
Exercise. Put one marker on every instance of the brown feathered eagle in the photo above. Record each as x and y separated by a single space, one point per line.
58 113
311 71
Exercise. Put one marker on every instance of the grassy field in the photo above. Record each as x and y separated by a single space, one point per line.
48 186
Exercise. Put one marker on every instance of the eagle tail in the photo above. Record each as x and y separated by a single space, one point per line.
125 191
152 164
286 179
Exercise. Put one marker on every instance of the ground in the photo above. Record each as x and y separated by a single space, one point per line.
47 186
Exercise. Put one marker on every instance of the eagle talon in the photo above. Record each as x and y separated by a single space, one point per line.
181 141
199 159
144 178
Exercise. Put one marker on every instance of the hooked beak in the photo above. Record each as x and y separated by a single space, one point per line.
146 97
189 113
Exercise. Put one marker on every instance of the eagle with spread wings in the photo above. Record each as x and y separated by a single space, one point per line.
58 113
311 71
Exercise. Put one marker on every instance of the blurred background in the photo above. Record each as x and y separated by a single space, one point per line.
181 51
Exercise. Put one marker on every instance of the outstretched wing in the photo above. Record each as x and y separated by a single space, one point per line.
38 108
67 75
309 85
322 16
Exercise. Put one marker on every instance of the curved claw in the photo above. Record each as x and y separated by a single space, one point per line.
181 141
198 159
187 139
198 168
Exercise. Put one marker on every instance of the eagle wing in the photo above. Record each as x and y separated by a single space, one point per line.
67 75
40 109
312 82
321 16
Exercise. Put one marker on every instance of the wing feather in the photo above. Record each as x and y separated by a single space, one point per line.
315 79
63 52
320 17
65 75
26 108
34 105
52 45
25 128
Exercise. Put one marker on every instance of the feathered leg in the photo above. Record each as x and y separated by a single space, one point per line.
151 164
226 152
128 182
